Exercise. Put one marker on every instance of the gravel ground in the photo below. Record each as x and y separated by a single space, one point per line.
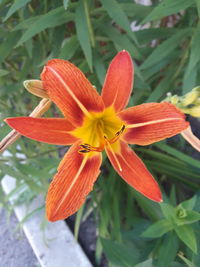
15 250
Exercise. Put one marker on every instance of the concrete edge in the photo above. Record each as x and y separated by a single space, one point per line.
54 246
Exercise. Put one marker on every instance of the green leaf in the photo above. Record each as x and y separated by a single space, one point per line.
79 215
136 11
147 263
198 6
120 254
3 72
8 44
145 36
187 235
15 6
168 211
189 80
191 217
158 229
194 55
166 8
25 24
168 250
165 48
82 31
118 15
180 155
99 68
121 40
190 203
69 48
53 18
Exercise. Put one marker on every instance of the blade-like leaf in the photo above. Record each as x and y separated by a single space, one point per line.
191 217
121 40
189 80
178 154
99 68
53 18
198 6
168 250
187 235
158 229
166 8
168 211
118 15
190 203
8 44
147 263
3 72
69 48
83 33
15 6
120 254
165 48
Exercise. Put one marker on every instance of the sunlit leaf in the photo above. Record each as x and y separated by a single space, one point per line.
187 235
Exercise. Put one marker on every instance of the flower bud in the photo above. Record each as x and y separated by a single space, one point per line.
195 111
35 87
189 98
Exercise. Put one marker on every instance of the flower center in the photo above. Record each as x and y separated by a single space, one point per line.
98 130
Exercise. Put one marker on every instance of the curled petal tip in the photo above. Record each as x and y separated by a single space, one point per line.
191 138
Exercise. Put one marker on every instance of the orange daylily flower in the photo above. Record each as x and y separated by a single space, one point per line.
94 123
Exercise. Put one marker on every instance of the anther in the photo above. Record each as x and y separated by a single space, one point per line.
83 151
86 146
120 131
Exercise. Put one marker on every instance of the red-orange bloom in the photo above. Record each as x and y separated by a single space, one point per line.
93 123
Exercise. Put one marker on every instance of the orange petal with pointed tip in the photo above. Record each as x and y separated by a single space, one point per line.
51 131
152 122
71 91
134 172
119 81
72 183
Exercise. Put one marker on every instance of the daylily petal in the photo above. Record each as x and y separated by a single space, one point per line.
152 122
133 171
72 183
51 131
71 91
191 138
119 81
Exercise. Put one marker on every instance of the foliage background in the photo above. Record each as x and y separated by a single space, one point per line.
131 230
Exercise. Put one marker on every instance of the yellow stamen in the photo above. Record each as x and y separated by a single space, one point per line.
85 148
113 153
117 135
